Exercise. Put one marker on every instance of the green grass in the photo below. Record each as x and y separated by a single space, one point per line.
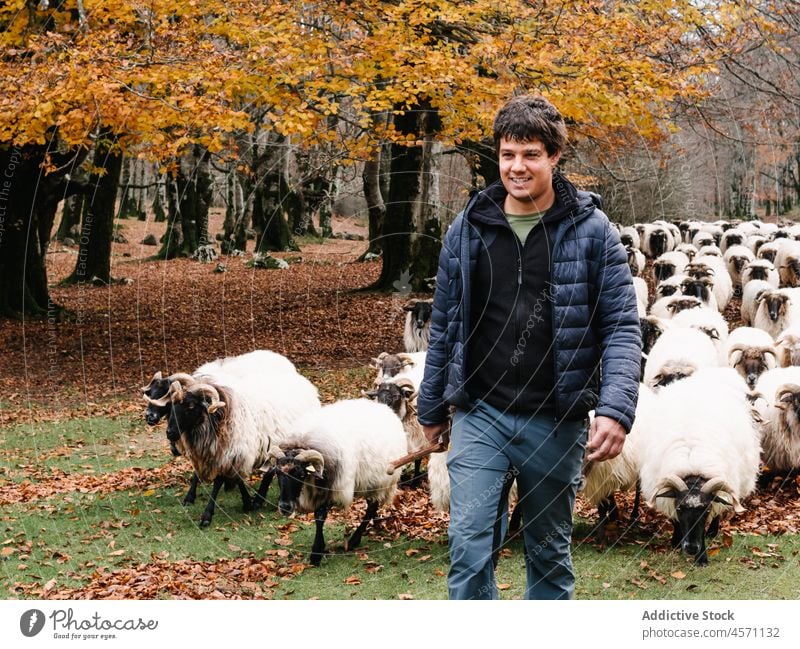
70 535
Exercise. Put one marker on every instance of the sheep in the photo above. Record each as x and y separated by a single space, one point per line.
677 354
630 237
669 286
657 240
750 352
787 346
768 251
710 251
787 262
669 264
417 331
760 269
710 322
400 394
636 261
599 480
687 249
750 294
754 243
698 450
248 364
393 366
715 269
335 455
652 328
703 238
736 258
667 307
226 426
779 407
730 238
641 295
702 288
776 310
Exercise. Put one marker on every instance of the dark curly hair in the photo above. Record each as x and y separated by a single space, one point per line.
530 117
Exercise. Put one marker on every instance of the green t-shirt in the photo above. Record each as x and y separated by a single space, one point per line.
522 224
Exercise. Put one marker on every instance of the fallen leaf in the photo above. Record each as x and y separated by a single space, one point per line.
678 575
352 580
405 596
7 552
503 586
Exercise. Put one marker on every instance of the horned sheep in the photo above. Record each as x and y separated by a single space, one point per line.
335 455
750 352
417 331
699 453
779 407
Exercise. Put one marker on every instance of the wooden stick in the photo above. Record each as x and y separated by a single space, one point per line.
416 455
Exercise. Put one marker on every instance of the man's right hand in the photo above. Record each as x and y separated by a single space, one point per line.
437 433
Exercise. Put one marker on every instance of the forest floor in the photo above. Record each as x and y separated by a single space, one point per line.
90 498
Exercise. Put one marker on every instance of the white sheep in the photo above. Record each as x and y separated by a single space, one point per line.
779 407
667 307
762 269
717 271
600 480
630 237
335 455
699 452
736 258
402 365
669 264
787 346
732 237
657 240
776 310
710 322
687 249
677 354
750 294
636 261
640 286
226 427
750 352
417 330
787 262
669 286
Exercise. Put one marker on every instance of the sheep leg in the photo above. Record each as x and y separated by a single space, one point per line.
247 501
355 539
636 500
318 548
191 495
261 496
208 512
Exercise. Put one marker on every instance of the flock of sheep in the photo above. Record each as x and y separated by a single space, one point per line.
717 408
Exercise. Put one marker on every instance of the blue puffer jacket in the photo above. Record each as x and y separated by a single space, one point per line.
596 331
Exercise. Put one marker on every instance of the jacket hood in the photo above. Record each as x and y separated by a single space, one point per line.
487 205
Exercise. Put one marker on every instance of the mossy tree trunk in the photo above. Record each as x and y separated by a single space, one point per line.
97 225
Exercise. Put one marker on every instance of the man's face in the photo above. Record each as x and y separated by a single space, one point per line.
527 174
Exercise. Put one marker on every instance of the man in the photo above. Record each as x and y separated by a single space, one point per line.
534 324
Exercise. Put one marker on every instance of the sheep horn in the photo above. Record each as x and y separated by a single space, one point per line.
405 360
314 458
185 379
714 486
274 453
156 377
672 481
173 395
377 362
780 397
207 390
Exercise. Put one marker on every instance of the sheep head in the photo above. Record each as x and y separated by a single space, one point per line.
693 497
684 303
751 361
775 303
698 269
663 269
294 469
192 408
420 311
399 395
390 365
787 397
699 287
157 396
788 346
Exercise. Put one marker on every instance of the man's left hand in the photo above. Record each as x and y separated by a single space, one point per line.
606 438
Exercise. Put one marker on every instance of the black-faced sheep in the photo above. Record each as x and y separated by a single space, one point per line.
225 428
750 352
699 453
335 455
417 331
780 411
776 310
678 354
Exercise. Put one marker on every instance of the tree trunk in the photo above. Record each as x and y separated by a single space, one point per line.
189 197
28 204
97 229
234 235
411 234
270 196
159 215
70 217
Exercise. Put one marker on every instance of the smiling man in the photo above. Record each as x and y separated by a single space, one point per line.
534 324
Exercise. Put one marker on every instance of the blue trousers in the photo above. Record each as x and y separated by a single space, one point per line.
487 446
